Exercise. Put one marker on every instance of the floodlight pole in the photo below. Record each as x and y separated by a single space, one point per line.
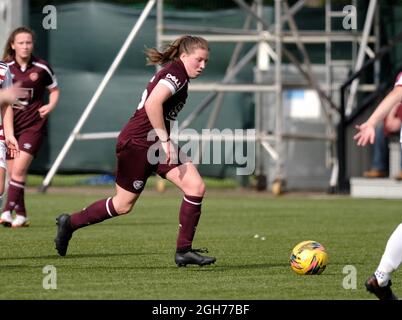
96 95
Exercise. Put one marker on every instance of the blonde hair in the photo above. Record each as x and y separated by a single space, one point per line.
173 51
9 52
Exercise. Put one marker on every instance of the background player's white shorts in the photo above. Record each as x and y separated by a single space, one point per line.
3 151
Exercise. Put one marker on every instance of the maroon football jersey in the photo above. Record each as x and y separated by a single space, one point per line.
175 77
35 79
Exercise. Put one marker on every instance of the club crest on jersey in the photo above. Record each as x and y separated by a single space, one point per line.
137 184
33 76
173 79
27 146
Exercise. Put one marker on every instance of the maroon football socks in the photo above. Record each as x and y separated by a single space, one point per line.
95 213
189 216
15 197
101 210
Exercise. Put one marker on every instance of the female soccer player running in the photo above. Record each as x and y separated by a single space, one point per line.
380 282
144 139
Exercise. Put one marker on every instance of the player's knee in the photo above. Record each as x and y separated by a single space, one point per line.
196 188
19 174
123 208
201 188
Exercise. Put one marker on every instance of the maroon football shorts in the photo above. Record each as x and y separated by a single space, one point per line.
29 141
134 168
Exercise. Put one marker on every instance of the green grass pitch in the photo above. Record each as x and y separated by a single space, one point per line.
131 257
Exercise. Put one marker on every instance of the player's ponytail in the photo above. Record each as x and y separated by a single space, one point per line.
173 51
9 52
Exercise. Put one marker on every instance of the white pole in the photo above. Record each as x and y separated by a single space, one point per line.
279 165
96 95
362 52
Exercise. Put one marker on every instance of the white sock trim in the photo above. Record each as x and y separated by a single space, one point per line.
18 185
107 206
192 202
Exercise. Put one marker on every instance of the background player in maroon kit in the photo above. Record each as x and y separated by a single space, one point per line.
30 119
149 129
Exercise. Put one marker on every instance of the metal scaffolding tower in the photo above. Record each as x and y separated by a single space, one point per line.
270 44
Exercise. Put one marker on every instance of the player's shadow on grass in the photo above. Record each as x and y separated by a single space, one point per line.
225 268
134 224
84 255
105 255
263 266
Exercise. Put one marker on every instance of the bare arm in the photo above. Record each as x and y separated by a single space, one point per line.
154 109
385 106
46 109
366 132
11 94
7 115
392 122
